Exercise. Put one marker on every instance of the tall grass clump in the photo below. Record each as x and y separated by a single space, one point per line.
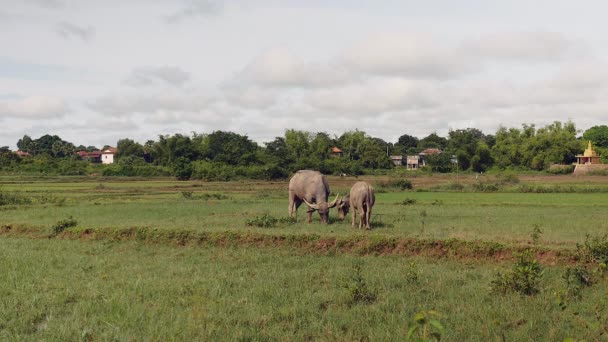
594 249
358 290
62 225
13 198
524 277
400 184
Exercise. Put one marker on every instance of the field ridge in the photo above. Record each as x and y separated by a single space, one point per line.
309 243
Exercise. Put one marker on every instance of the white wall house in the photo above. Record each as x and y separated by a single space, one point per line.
107 155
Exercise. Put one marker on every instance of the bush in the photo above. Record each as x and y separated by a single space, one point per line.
358 291
401 184
63 225
13 198
557 169
408 201
594 249
524 278
264 221
576 277
507 178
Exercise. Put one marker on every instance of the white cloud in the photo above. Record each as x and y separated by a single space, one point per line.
279 67
127 103
197 8
409 55
69 30
145 76
375 97
34 107
533 46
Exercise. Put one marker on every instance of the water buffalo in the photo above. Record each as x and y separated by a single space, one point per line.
361 198
312 188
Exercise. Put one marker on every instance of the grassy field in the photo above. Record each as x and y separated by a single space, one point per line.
564 218
73 288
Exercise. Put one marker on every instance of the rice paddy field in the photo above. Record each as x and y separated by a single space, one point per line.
156 259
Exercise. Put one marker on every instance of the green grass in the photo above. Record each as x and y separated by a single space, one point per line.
565 218
75 290
149 288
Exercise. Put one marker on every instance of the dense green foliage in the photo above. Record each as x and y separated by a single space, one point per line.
224 155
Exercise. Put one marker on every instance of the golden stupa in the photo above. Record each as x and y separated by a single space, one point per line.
589 156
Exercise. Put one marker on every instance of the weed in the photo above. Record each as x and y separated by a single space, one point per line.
408 201
13 198
425 327
423 215
63 225
401 184
576 277
187 195
524 278
264 221
412 273
594 249
536 234
507 178
437 202
358 291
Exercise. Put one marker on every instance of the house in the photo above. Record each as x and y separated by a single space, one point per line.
93 157
397 160
107 155
22 153
427 152
417 161
336 152
412 162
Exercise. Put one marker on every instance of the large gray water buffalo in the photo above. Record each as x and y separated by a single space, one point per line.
362 199
312 188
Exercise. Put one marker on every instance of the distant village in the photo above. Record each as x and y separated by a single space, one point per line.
105 156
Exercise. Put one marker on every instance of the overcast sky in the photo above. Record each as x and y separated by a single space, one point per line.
93 72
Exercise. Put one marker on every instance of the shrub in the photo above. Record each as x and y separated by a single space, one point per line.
507 178
594 249
486 187
13 198
63 225
408 201
426 327
576 277
401 184
537 232
557 169
412 273
264 221
358 291
524 278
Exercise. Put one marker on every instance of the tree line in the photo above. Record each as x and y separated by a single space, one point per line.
222 155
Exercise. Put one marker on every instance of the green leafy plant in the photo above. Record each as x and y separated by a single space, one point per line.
426 327
408 201
576 278
62 225
536 234
423 215
264 221
524 278
358 290
412 273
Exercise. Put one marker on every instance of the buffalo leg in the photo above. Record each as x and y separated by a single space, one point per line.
354 217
